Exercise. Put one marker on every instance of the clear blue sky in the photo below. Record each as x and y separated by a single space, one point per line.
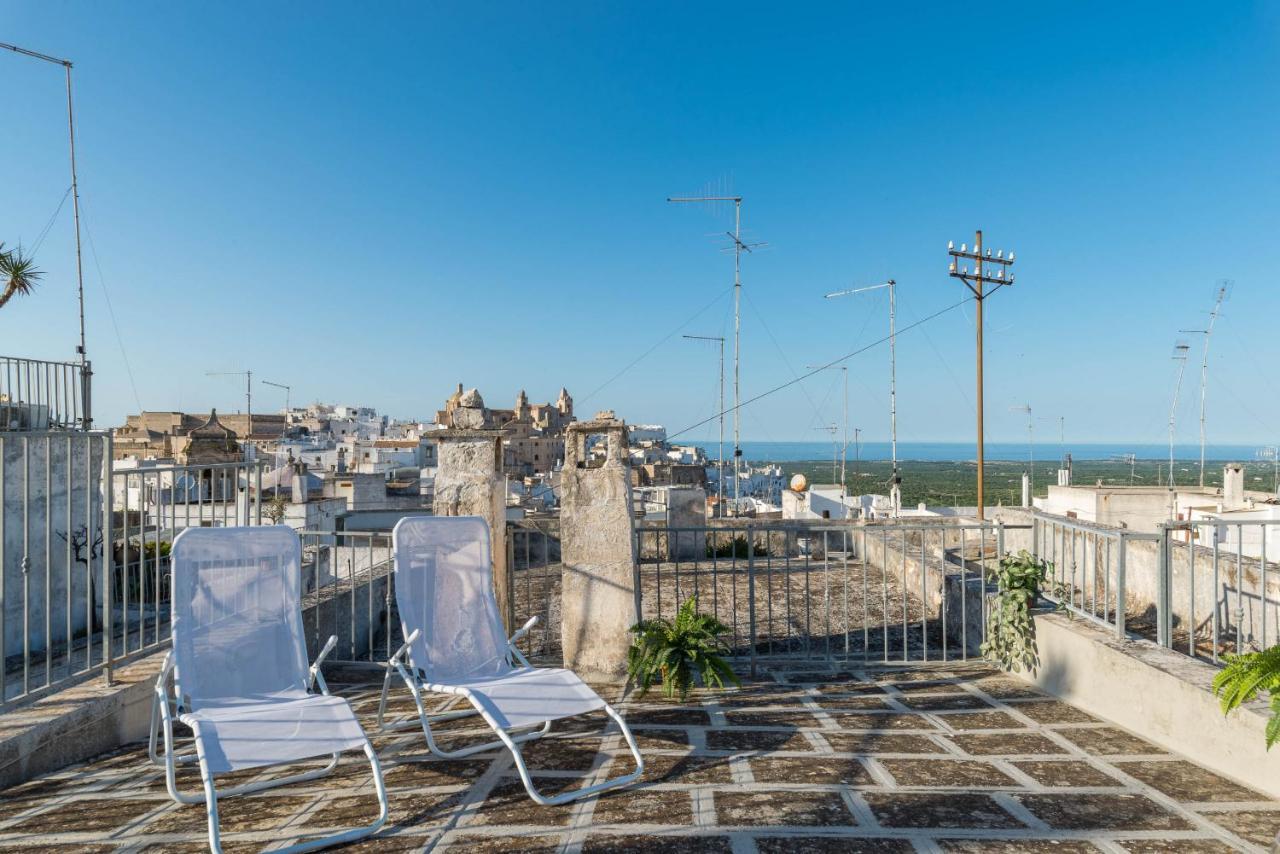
373 202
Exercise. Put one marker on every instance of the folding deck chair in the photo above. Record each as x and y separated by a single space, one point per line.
455 646
238 675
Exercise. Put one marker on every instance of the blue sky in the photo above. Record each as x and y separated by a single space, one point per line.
374 202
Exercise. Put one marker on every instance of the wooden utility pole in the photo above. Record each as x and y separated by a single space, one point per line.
977 281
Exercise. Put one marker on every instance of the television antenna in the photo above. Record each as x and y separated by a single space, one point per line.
720 459
248 391
844 445
1031 442
1131 459
895 482
1180 356
287 390
1272 453
1221 295
738 248
833 429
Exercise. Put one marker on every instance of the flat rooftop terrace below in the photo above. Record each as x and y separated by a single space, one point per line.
798 760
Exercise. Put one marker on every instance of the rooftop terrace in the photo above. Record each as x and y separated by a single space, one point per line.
961 759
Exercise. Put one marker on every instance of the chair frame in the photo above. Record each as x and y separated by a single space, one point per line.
165 708
510 738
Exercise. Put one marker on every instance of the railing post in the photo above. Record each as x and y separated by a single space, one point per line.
1120 581
1163 616
86 392
751 597
108 561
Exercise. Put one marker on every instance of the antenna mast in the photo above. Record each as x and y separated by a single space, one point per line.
287 390
738 247
1180 356
720 459
1220 296
1031 443
895 482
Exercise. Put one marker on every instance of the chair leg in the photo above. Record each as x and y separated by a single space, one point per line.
425 720
215 834
394 726
566 797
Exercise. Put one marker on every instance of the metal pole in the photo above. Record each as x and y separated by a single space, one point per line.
720 463
75 207
895 487
981 449
737 331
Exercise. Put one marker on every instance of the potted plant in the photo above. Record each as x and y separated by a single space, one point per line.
1011 629
677 651
1244 676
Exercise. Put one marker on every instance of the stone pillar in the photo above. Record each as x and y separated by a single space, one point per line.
598 596
687 508
469 482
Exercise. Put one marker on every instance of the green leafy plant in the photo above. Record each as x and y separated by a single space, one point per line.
1011 631
1244 676
18 274
676 651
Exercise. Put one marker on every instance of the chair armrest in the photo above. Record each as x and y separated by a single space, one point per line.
404 648
162 680
524 630
315 666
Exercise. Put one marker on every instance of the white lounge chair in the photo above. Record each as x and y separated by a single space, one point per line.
238 675
455 646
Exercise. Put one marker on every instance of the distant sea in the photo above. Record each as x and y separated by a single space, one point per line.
782 452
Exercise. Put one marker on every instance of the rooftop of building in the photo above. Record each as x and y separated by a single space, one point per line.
955 759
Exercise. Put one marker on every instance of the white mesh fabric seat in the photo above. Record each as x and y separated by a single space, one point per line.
239 669
455 645
531 696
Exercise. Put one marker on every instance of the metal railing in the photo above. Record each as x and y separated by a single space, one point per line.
41 395
347 584
55 574
1088 567
893 592
1202 587
1218 589
534 573
153 505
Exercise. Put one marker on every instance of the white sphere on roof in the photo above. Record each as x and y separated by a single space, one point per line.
799 483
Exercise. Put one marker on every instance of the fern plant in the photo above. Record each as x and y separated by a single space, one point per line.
676 651
1244 676
1011 630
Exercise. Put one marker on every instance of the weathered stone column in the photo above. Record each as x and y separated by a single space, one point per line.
470 482
598 603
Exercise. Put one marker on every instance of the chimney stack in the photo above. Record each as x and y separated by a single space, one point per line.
1233 486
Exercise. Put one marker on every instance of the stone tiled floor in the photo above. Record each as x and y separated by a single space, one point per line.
799 761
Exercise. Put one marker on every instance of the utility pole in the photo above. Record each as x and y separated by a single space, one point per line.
976 281
720 458
1180 356
738 247
248 391
1221 295
286 388
75 207
1031 443
844 444
895 481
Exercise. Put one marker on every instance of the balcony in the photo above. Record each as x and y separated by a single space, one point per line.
40 395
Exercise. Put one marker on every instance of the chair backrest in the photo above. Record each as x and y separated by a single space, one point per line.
444 587
237 615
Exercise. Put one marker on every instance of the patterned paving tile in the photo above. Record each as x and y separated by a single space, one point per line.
802 760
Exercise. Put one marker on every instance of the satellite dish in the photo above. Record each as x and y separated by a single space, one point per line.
799 483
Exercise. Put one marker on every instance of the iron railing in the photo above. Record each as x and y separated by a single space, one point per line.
41 395
1203 587
55 574
347 584
534 574
1088 567
1218 589
895 592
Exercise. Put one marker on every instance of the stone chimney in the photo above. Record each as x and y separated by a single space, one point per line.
298 484
1233 486
341 467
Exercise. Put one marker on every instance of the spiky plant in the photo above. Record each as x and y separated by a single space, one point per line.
18 273
675 651
1244 676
